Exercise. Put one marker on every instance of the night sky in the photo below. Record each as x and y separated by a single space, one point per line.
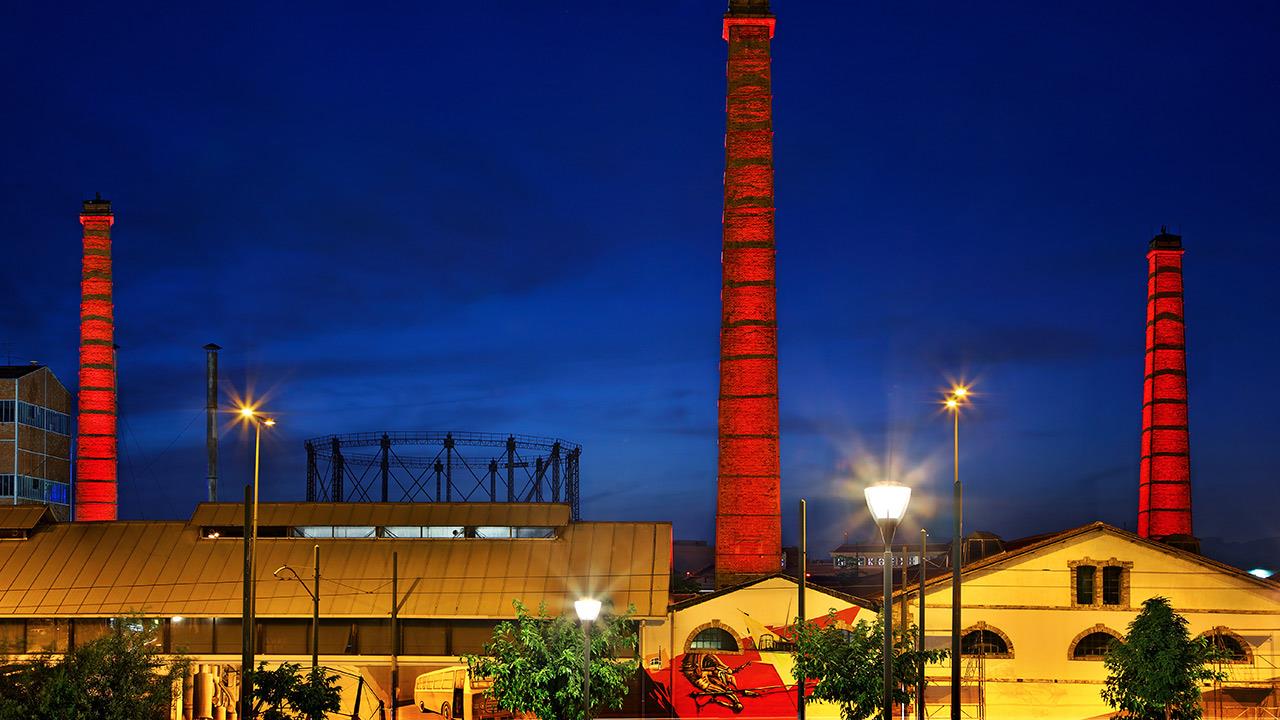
505 217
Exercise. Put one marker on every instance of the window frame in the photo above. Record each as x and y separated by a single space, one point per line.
984 627
1098 629
1099 574
689 649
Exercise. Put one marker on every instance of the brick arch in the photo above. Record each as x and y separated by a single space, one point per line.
980 625
1099 628
1228 632
737 639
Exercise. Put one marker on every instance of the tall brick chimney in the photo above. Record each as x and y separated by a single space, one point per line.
748 503
1164 482
95 482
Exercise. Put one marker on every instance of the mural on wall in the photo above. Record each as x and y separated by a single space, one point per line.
744 672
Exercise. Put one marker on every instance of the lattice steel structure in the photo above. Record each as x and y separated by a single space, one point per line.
443 467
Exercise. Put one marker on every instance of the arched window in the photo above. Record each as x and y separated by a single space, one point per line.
983 642
713 639
1093 646
1229 644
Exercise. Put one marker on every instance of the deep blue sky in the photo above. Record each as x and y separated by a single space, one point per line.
506 217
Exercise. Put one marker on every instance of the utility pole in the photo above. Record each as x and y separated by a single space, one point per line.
246 620
802 584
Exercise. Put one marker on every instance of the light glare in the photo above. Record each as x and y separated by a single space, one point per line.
587 608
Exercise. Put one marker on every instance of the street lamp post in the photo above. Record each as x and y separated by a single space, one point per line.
588 610
251 583
888 504
315 603
959 395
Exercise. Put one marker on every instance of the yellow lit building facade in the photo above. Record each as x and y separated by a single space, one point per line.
1036 620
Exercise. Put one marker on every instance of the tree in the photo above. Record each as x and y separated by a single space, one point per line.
848 664
284 694
1155 672
120 676
534 663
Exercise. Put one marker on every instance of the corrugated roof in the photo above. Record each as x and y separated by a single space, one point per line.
23 517
165 569
365 514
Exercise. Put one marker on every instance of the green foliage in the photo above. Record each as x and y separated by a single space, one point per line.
120 676
285 694
848 665
534 663
1156 671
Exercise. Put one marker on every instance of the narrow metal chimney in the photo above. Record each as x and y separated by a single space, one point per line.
211 416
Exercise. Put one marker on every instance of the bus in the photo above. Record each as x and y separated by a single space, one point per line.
450 694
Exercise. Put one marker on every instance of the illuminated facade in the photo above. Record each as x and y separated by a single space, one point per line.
1164 484
748 510
95 487
1038 618
35 439
451 570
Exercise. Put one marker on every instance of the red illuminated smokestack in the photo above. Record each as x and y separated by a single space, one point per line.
1164 483
96 423
748 506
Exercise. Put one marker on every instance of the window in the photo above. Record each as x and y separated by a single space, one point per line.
47 636
442 532
402 531
188 635
90 629
493 533
713 639
535 532
1229 644
284 637
423 637
1085 580
983 642
470 637
1092 646
6 411
359 531
1111 585
12 637
227 635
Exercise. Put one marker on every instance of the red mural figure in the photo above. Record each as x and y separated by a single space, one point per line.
748 509
1164 483
95 481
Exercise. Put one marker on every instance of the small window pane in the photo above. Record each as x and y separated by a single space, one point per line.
471 637
1111 585
315 531
373 637
535 532
983 642
47 636
12 637
354 532
714 638
1093 646
227 636
188 635
1229 646
493 533
284 637
403 531
1085 575
442 532
420 637
90 629
337 637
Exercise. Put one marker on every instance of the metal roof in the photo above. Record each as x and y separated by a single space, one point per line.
300 514
166 568
23 517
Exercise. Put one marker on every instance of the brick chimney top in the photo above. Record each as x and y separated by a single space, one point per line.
96 206
1166 240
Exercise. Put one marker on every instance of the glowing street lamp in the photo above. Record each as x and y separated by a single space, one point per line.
959 396
250 414
588 610
888 504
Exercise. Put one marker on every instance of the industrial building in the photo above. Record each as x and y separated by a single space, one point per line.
451 571
35 439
